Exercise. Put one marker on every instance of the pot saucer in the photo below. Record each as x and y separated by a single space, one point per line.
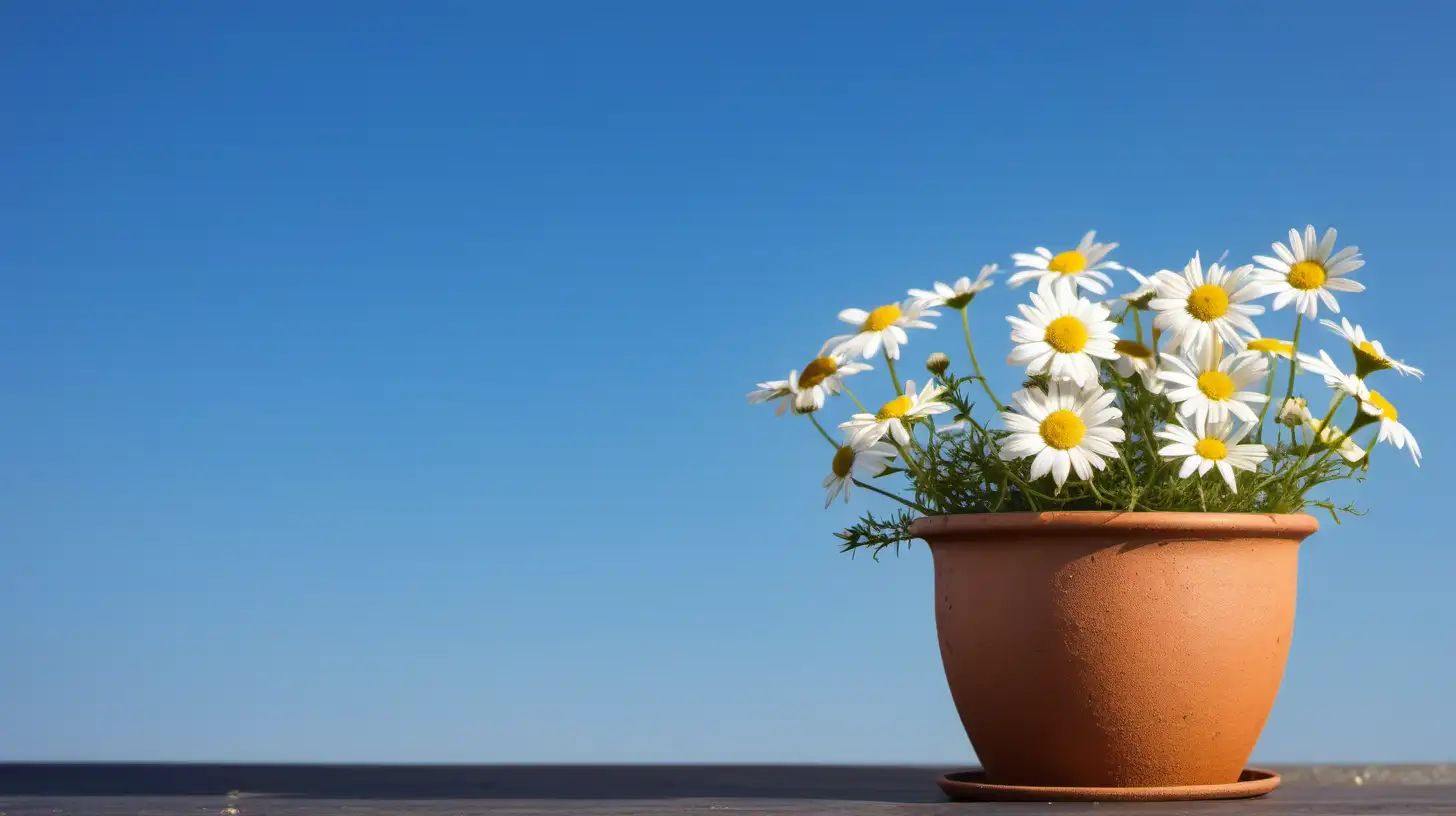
971 786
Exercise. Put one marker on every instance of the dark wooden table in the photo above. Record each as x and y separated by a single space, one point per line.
33 789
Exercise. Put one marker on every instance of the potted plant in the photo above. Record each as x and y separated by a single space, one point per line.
1116 554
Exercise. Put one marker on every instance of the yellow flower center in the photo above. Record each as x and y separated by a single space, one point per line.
1063 429
1368 348
895 408
817 371
881 318
1216 385
1068 263
1272 346
1306 275
1208 302
1132 348
1066 334
1387 410
1210 448
843 461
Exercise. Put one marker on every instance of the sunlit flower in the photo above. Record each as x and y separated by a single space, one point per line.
1205 387
1067 429
1390 429
1294 412
958 296
1083 266
821 377
1370 356
1193 309
850 462
1273 348
1322 365
1135 358
883 326
894 417
1305 272
1060 334
1204 446
1329 433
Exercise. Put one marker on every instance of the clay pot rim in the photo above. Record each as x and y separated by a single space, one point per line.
1291 526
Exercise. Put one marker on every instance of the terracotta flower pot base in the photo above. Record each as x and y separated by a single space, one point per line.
971 786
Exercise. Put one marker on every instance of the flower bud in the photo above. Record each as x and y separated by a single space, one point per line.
937 364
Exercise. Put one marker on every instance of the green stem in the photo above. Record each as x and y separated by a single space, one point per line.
899 389
1293 355
971 350
857 403
1269 394
1132 482
1100 498
1137 320
1202 502
823 432
910 504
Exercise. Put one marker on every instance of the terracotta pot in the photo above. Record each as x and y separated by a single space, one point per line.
1104 649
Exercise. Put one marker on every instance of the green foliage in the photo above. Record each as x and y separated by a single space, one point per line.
965 473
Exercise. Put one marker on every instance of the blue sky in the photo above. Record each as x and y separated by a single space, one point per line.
373 373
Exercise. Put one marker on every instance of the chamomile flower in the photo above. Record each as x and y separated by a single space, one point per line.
1068 429
821 377
1370 356
958 296
1204 446
1294 412
1205 387
1322 365
1390 429
1194 309
883 326
1060 333
1135 358
1329 433
1146 290
1273 348
850 462
1305 273
1082 266
894 416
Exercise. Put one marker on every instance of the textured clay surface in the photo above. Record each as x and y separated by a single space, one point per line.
1114 649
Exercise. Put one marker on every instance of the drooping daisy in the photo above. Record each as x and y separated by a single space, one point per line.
821 377
885 325
1135 358
1390 429
1082 266
850 462
1305 272
1329 433
958 296
1060 334
1294 412
1370 356
1205 387
1273 348
1067 429
894 416
1143 294
1207 445
1193 309
1322 365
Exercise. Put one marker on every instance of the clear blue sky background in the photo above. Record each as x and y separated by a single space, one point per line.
373 374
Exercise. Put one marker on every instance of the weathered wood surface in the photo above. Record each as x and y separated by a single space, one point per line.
32 789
